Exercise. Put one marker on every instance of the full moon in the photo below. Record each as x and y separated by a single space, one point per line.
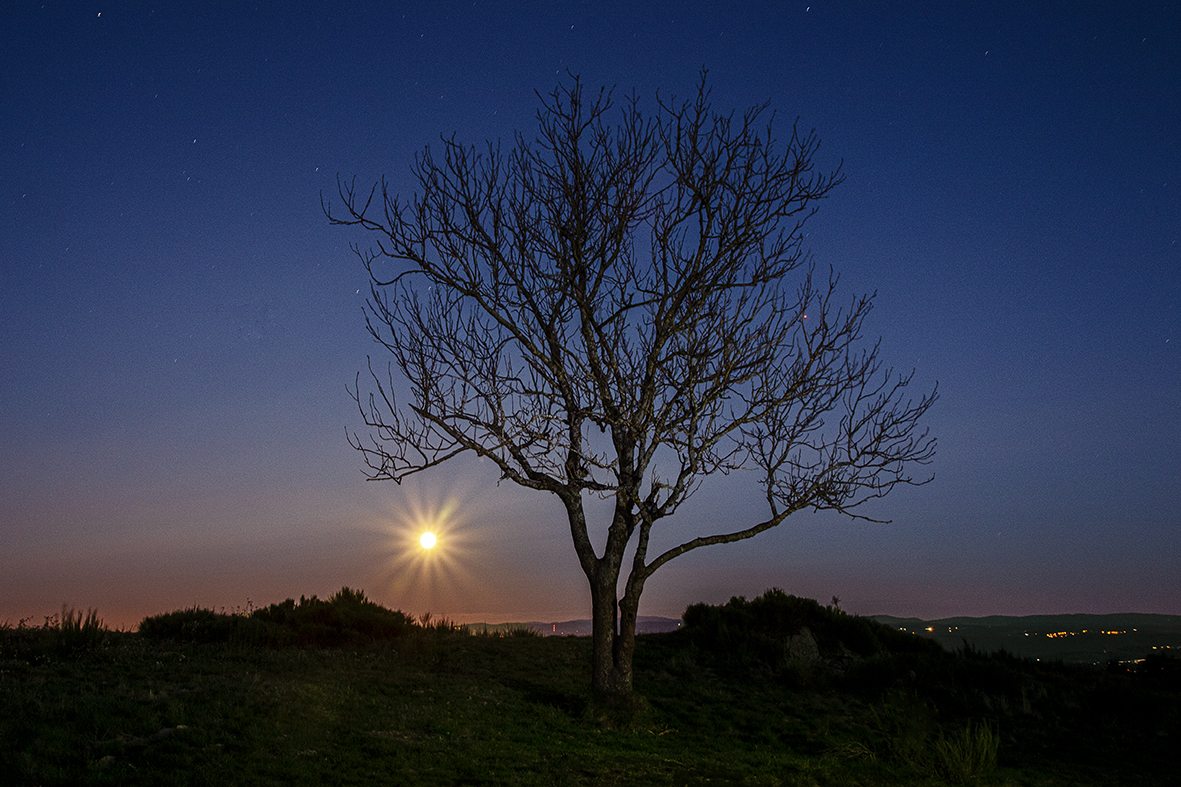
427 540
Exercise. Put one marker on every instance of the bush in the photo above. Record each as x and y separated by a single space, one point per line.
754 633
345 618
191 625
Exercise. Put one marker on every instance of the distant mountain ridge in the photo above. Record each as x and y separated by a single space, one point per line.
1083 620
645 624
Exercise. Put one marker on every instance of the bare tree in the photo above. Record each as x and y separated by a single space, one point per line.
624 309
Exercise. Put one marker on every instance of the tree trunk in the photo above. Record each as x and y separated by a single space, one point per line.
625 639
612 643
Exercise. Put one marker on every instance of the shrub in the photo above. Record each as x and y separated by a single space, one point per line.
345 618
753 633
191 625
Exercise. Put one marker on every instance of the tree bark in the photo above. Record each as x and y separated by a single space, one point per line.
625 639
611 666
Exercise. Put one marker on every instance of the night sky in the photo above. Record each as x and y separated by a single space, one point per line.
178 321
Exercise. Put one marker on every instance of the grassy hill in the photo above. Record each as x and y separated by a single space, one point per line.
342 691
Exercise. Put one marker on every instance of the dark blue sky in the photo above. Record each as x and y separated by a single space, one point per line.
178 321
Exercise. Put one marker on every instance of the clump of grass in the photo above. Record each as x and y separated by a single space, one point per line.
66 634
76 632
968 756
912 736
906 724
498 630
618 712
441 625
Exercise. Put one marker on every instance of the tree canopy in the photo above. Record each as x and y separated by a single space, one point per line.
622 306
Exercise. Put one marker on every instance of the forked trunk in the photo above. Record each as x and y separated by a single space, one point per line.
613 638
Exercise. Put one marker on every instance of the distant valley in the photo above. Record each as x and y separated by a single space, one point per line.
1093 639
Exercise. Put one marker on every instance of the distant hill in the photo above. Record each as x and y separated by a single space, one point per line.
645 624
1095 639
1076 638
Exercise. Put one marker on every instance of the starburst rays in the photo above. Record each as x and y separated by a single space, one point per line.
423 577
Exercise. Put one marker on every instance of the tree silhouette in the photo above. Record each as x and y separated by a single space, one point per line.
622 307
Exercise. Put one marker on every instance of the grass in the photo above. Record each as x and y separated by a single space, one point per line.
476 713
968 755
433 706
